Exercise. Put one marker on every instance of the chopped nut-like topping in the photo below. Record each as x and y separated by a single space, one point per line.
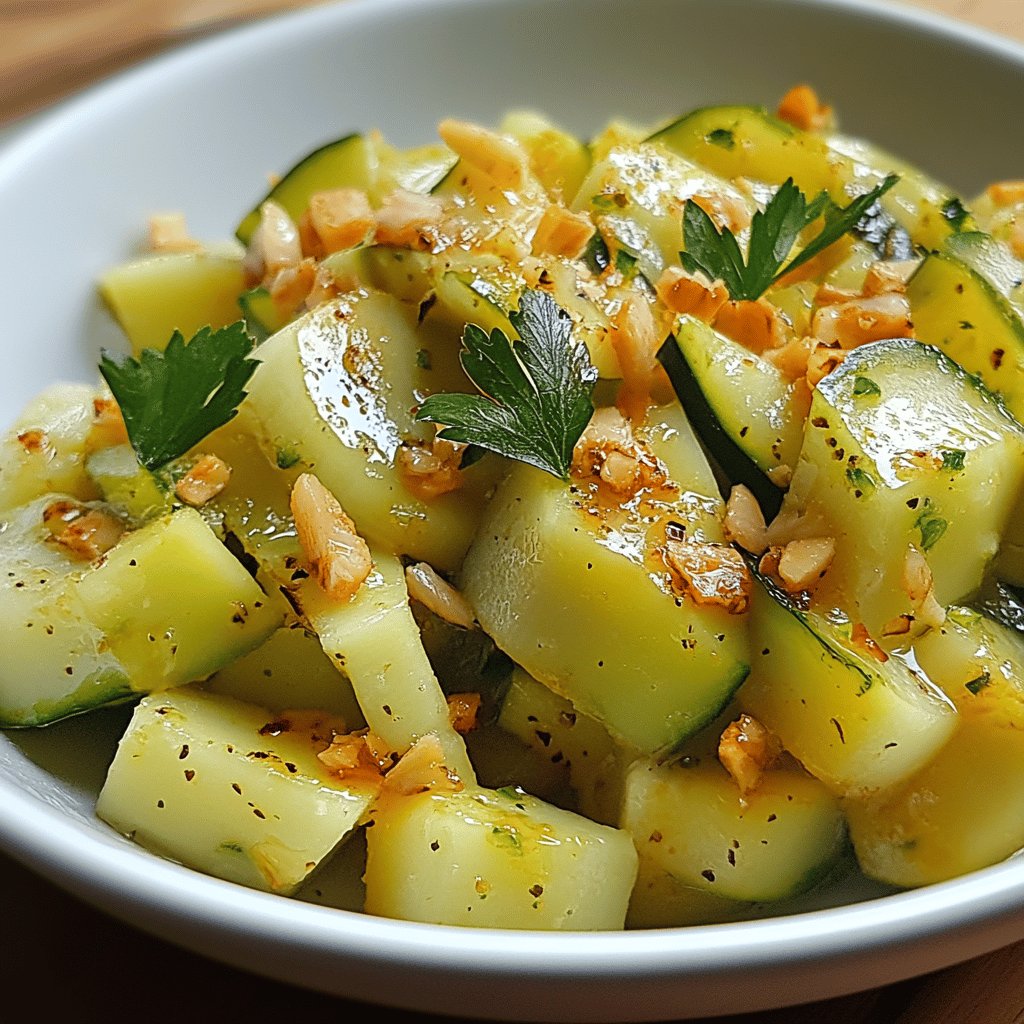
898 626
886 276
854 323
683 292
1017 238
919 586
204 481
277 239
802 108
408 220
1006 193
710 574
562 232
608 452
757 325
747 749
861 638
290 286
339 557
348 752
636 338
341 218
464 711
429 472
437 594
108 428
780 475
791 358
499 157
34 441
169 233
744 520
89 535
804 562
822 360
421 769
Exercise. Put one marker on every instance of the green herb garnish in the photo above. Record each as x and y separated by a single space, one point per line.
171 400
953 459
860 479
773 233
953 210
864 386
625 263
932 527
536 394
722 138
975 686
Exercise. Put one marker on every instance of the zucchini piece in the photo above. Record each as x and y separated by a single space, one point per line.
903 449
263 317
859 721
155 296
349 162
46 449
959 302
415 170
692 823
128 487
636 195
557 732
748 415
166 605
232 790
498 859
558 159
965 809
582 639
336 389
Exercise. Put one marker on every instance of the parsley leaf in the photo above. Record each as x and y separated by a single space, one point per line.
171 400
536 393
773 233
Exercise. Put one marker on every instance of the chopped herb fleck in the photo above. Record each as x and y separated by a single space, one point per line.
863 386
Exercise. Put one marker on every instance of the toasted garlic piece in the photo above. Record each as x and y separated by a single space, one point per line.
108 427
861 638
887 276
854 323
339 557
438 595
710 574
804 562
757 325
422 769
821 361
341 218
744 520
746 750
802 108
464 711
409 220
291 286
204 481
919 586
1006 193
277 239
562 232
83 533
499 157
683 292
168 232
429 472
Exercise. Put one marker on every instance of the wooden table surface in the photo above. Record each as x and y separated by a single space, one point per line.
75 963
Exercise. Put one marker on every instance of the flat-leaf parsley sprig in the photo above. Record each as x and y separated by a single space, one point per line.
773 233
535 399
171 400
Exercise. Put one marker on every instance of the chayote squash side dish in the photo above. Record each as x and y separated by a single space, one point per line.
583 535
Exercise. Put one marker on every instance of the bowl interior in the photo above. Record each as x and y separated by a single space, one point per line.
200 130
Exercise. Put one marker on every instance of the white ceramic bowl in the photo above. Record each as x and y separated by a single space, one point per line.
198 131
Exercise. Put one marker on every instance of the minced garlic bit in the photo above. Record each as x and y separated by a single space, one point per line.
277 239
744 520
168 232
464 711
804 562
438 595
683 292
341 218
409 220
562 232
108 427
756 325
919 586
860 637
83 533
710 574
348 753
802 108
499 157
636 337
746 750
888 276
608 453
429 472
204 481
291 286
862 320
421 769
821 361
339 557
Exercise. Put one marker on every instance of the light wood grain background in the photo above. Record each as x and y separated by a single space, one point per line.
77 964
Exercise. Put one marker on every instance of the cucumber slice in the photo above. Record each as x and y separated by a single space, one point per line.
232 790
965 809
558 159
582 639
691 822
349 162
748 415
46 449
155 296
500 859
903 448
856 723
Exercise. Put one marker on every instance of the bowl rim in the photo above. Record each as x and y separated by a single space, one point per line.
50 841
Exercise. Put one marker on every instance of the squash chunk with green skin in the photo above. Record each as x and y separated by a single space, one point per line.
173 603
903 451
693 823
965 809
338 388
857 723
45 451
227 788
498 859
617 641
155 296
